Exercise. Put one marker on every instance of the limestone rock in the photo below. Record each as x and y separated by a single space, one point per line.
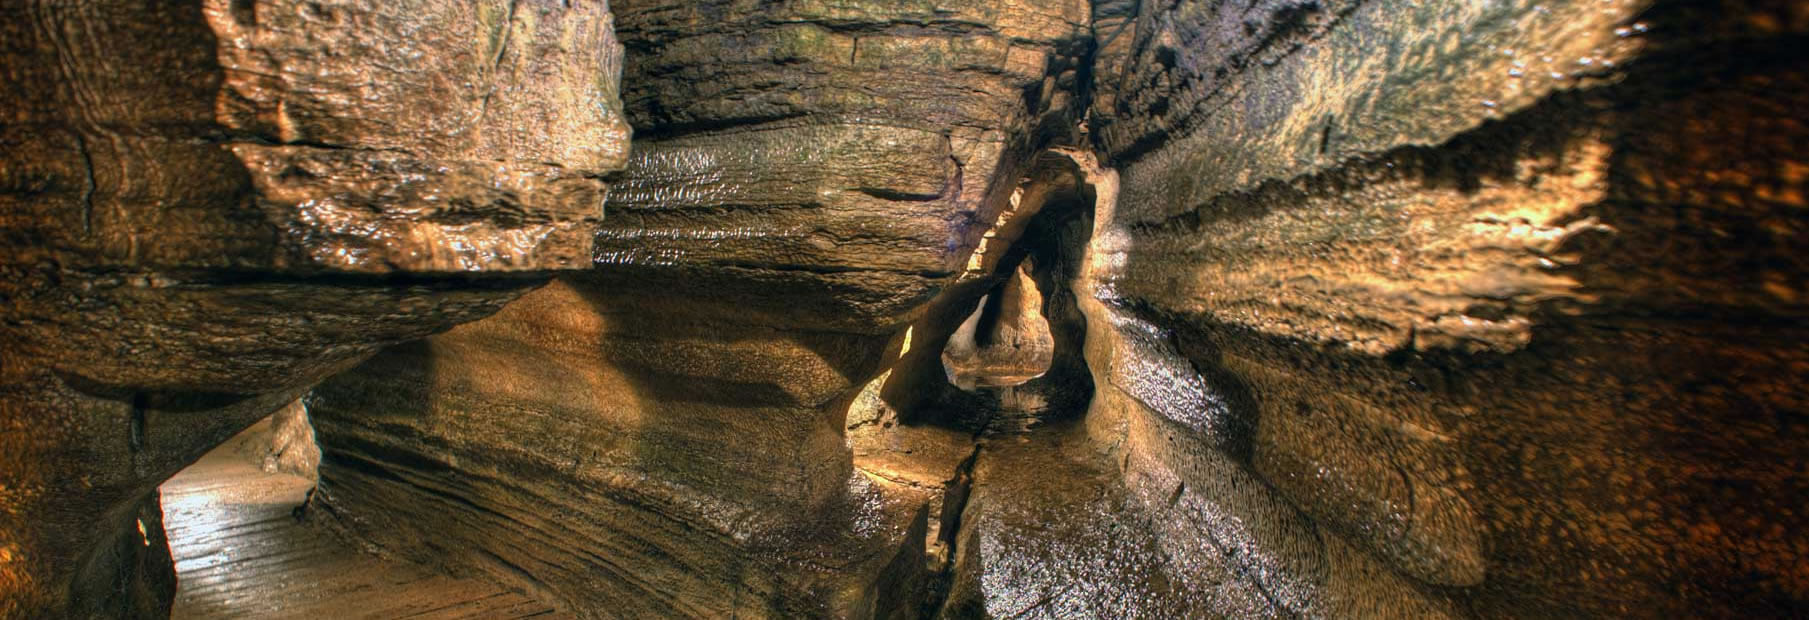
1450 278
675 463
846 157
1013 347
210 205
283 443
806 178
1344 308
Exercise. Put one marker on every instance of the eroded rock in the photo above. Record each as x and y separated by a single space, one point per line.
806 178
1415 281
609 481
1354 308
212 205
284 443
1004 343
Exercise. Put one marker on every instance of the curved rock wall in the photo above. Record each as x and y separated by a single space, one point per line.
211 205
1390 308
671 463
805 178
1504 299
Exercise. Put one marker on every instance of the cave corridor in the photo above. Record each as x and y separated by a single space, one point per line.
904 309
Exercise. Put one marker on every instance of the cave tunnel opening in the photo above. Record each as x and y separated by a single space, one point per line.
1001 350
245 541
998 356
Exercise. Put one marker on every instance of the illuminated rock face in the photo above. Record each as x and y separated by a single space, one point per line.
805 178
210 206
1497 300
1358 308
1005 342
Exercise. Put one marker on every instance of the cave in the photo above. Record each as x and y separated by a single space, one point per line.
878 309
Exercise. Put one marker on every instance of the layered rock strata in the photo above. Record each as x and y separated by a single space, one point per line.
805 178
209 206
1355 308
1500 295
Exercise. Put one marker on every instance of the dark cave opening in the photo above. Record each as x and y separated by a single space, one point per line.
1001 350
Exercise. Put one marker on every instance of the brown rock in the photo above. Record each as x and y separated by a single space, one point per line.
807 177
675 463
1448 291
212 205
1330 308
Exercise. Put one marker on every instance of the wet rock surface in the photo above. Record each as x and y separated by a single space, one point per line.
1005 342
1420 293
210 206
1362 308
242 550
604 481
787 208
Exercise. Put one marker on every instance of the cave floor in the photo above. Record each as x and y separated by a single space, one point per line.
240 553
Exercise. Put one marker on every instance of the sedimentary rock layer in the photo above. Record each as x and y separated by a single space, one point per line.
1355 308
805 179
210 205
1487 291
674 463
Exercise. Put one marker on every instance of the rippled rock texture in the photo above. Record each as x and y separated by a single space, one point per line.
672 463
1326 308
209 206
805 178
1502 295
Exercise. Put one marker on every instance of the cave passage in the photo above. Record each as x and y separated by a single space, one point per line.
238 530
888 310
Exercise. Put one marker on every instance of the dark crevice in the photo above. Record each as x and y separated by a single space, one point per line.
88 186
245 12
954 502
246 137
502 50
140 402
956 492
1049 244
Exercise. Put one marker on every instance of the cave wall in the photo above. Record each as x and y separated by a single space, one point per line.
1503 295
805 177
1390 308
209 206
671 463
1396 309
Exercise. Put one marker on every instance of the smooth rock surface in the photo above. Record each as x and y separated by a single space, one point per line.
605 482
242 550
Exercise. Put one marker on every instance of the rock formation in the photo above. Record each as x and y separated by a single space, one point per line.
1005 342
210 206
284 443
1505 303
986 308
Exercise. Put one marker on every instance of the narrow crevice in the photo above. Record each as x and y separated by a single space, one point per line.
136 430
954 502
89 186
502 50
1042 256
